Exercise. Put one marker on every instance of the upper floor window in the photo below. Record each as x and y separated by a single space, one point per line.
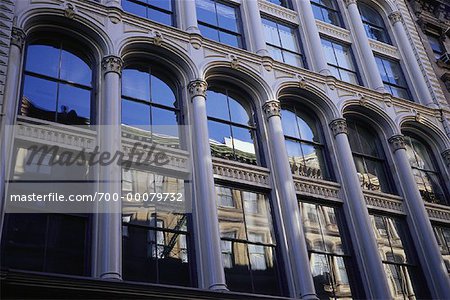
443 239
369 158
373 23
282 43
304 142
436 45
428 178
161 11
327 11
57 83
232 132
150 106
340 61
247 241
284 3
393 78
219 22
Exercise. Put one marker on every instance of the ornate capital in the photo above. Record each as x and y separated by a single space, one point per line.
338 126
348 2
397 142
446 157
395 17
18 37
198 88
112 63
272 108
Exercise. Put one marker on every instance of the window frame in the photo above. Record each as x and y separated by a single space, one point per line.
335 10
378 27
147 6
402 74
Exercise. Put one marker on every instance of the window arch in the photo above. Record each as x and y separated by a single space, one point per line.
150 105
373 23
369 157
57 84
426 173
327 11
304 142
232 131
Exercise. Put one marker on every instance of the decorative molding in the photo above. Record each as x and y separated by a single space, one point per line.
438 212
278 11
234 62
158 38
395 17
316 188
241 173
384 201
397 142
112 63
348 2
69 11
196 40
272 108
338 126
267 63
18 37
384 48
198 88
333 31
446 157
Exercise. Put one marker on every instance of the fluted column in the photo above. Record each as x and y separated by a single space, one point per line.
292 221
357 216
256 26
368 60
419 224
404 45
206 202
9 109
190 16
312 35
109 257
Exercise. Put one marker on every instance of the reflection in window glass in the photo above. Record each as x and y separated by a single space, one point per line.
442 235
340 61
327 11
373 23
248 246
393 78
157 10
436 45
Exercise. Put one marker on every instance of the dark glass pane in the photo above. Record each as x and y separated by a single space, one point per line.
136 114
134 8
376 176
238 276
43 59
209 33
368 14
296 161
230 39
227 17
422 156
306 131
217 105
162 93
314 164
74 69
289 122
262 260
136 84
206 12
39 98
74 105
165 127
331 17
322 275
173 263
163 4
238 112
159 16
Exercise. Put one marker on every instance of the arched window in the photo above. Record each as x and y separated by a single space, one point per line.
327 11
161 11
368 157
373 23
304 142
57 83
149 106
427 175
231 126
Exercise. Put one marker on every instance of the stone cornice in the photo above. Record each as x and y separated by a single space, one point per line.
272 108
397 142
112 63
198 88
338 126
18 37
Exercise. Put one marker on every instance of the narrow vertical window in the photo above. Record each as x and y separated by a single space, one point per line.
161 11
340 61
393 78
373 23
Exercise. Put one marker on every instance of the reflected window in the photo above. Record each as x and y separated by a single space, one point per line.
230 125
219 22
340 61
373 23
399 259
57 84
369 158
149 107
248 245
393 78
428 178
304 142
443 239
436 45
327 11
161 11
283 43
284 3
155 237
330 261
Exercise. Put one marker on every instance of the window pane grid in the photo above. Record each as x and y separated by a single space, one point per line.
325 12
138 7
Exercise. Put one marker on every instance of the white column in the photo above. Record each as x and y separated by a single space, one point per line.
9 109
418 79
367 59
292 221
206 202
312 35
190 16
256 26
109 257
419 224
358 221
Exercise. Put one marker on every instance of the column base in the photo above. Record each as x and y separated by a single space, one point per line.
111 276
308 297
218 287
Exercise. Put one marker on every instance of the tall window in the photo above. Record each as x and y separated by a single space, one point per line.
443 239
373 23
436 45
327 11
340 61
282 43
57 84
219 22
231 127
393 78
304 142
161 11
428 178
155 238
248 245
329 259
368 157
149 106
284 3
399 259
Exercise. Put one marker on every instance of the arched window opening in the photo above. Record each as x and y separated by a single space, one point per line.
373 23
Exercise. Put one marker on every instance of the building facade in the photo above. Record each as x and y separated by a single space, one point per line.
312 139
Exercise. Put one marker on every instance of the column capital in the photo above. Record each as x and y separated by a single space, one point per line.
395 17
338 126
112 63
348 2
198 87
18 37
446 156
397 142
272 108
